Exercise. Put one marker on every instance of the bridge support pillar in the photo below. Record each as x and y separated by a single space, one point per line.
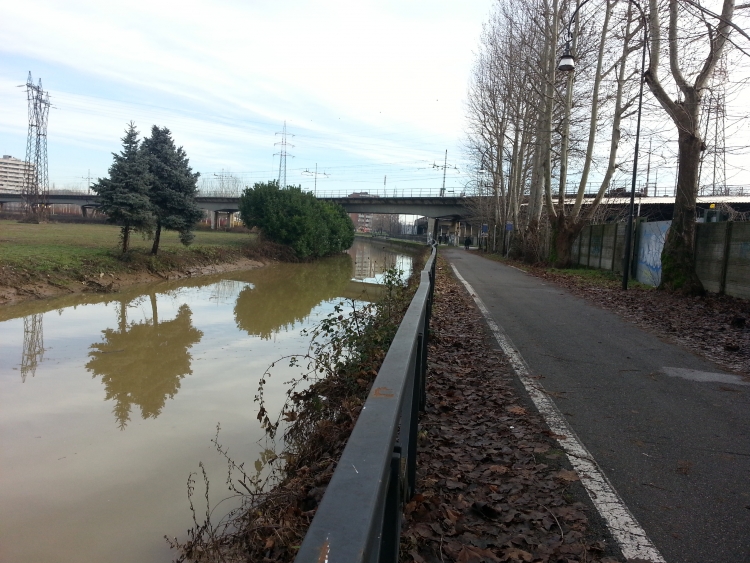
84 211
432 225
230 220
214 219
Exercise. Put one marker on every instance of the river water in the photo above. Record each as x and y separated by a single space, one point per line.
109 402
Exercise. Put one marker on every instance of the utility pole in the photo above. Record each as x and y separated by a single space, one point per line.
315 174
282 156
445 168
221 192
88 182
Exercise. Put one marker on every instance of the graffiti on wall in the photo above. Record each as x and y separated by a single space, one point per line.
652 237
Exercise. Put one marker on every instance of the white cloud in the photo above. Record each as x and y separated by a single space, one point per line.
365 81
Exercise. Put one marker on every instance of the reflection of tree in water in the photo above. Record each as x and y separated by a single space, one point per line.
143 363
285 295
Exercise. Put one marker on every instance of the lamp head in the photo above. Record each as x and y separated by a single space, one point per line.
567 61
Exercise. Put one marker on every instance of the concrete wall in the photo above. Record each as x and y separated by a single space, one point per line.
722 253
723 257
600 246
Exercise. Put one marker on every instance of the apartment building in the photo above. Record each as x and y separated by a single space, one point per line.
11 173
362 221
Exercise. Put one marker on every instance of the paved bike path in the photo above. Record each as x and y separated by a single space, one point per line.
670 430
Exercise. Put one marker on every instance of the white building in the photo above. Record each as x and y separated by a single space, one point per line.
11 173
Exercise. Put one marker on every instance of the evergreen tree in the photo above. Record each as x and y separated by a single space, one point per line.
124 195
173 186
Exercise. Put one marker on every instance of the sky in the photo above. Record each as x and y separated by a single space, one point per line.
372 92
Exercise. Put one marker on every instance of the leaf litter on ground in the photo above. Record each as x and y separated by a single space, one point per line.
492 483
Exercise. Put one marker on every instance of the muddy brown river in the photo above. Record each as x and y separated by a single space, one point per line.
109 402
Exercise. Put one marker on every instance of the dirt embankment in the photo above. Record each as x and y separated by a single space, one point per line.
20 284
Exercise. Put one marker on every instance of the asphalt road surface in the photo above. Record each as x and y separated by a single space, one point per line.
669 429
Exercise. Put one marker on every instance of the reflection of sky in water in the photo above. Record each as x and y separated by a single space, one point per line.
104 491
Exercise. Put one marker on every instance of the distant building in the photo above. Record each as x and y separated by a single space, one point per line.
11 173
362 221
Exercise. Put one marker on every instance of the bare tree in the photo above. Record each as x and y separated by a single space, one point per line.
678 256
570 221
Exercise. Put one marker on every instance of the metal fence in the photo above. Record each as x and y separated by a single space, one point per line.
359 518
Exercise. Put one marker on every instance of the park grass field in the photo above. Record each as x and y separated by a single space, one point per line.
75 250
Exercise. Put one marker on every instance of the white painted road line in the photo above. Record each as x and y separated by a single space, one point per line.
629 535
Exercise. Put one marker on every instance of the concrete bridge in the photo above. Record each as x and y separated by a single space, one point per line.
427 206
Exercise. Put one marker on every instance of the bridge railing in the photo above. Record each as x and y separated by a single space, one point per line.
359 518
392 192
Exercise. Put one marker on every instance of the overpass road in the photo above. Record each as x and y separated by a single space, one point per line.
669 429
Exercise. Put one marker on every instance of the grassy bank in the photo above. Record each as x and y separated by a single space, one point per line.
65 256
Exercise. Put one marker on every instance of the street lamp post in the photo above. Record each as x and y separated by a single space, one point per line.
567 64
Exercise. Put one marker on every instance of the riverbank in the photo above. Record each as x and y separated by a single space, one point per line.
323 403
47 260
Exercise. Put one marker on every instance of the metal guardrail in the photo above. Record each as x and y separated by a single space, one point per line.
359 518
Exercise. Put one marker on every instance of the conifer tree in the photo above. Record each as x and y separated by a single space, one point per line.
124 195
173 186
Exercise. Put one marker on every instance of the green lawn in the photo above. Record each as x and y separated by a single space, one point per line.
81 248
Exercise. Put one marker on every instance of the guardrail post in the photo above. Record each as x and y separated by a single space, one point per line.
424 337
417 394
391 532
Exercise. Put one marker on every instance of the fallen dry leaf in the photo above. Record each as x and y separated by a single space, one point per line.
566 475
494 485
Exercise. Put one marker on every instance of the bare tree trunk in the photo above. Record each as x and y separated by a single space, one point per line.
678 256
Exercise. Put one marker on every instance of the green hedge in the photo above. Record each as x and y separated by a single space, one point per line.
297 219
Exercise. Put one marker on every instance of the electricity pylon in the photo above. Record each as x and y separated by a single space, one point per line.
35 188
282 156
